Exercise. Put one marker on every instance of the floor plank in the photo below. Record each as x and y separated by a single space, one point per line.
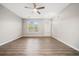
37 47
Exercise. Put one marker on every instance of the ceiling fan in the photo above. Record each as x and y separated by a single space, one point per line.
35 8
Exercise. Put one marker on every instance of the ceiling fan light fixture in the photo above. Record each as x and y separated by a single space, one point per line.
35 10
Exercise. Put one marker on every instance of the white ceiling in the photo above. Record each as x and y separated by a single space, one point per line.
50 10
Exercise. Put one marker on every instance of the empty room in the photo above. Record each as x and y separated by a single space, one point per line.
39 29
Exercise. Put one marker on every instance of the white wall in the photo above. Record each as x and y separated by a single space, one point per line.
44 29
10 26
65 27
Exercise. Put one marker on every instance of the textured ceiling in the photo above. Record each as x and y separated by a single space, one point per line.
50 10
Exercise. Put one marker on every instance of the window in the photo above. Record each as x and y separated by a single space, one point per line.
33 26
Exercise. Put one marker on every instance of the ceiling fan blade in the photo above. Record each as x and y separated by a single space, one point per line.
40 8
38 12
34 5
28 7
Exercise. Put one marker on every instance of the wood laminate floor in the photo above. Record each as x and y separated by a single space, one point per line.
37 47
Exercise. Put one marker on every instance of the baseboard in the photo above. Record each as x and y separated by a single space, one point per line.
9 41
22 36
66 44
37 36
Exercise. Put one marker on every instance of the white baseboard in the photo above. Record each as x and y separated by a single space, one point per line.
66 44
5 42
9 41
26 36
36 36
